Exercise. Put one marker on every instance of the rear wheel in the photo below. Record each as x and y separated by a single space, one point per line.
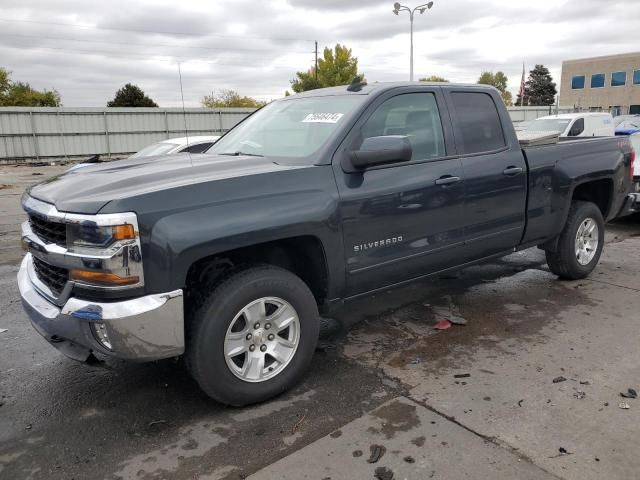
580 243
253 336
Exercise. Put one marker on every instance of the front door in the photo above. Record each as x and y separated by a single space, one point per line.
401 220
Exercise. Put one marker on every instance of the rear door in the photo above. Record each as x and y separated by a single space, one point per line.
494 172
401 220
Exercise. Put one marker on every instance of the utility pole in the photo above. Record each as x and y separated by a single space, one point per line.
316 52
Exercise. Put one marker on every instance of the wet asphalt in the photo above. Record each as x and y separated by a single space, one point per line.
60 419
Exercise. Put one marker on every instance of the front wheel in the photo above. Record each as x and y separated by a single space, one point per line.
254 336
580 243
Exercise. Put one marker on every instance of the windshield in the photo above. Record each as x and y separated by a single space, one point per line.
293 128
557 125
155 149
619 120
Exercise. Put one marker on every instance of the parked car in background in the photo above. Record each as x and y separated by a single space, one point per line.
627 121
197 144
575 125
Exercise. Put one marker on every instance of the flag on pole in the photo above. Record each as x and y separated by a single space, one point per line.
522 90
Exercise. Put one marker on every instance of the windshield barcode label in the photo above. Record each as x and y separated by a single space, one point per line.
323 118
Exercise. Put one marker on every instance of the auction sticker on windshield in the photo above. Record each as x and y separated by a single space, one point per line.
323 118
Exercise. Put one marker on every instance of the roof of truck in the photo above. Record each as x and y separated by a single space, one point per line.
378 86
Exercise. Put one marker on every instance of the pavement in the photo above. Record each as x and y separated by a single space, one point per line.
387 397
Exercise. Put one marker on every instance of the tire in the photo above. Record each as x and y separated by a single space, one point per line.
264 295
565 261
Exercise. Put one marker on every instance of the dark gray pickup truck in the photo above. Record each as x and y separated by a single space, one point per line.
230 258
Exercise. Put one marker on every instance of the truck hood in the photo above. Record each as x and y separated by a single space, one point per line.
88 189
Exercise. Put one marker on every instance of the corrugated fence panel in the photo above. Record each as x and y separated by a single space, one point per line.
49 133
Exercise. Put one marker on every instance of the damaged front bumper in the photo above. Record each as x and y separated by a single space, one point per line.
141 329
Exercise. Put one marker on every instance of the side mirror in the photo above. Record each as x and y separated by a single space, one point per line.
382 150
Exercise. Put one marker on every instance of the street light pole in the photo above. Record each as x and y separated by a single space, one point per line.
397 8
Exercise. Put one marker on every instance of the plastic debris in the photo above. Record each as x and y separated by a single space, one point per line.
443 324
624 406
2 330
462 375
559 379
563 451
630 393
457 320
585 382
383 473
579 395
377 451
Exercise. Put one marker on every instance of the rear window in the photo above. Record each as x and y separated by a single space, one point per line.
478 122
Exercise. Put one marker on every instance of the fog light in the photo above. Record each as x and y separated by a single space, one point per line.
100 332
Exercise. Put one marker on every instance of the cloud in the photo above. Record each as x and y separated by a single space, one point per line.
87 50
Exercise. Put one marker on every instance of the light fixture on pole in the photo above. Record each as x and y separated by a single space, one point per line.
397 8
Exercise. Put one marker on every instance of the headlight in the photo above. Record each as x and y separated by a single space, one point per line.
83 235
109 250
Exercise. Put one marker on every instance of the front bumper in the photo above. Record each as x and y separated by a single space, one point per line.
142 329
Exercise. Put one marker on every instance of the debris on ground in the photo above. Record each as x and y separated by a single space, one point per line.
562 452
2 330
157 422
630 393
624 406
457 320
5 185
559 379
37 173
520 402
443 324
383 473
357 453
579 394
377 451
462 375
585 382
298 423
409 459
28 427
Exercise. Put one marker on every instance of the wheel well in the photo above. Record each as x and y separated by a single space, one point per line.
598 192
303 256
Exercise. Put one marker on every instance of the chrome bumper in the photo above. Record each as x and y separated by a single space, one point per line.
144 328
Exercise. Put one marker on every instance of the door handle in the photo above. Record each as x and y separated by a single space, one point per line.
511 171
447 180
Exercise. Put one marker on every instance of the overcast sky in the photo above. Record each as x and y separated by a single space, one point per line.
88 49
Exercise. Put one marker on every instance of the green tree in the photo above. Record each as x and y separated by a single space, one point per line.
539 89
433 78
131 96
230 98
20 94
5 81
335 67
500 81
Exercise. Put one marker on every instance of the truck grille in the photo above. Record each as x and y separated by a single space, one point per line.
49 232
53 277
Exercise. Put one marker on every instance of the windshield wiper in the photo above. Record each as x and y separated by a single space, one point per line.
238 154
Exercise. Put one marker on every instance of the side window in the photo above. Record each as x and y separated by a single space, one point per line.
577 128
198 148
414 115
478 122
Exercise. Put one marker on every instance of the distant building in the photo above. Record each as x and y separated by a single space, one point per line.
602 84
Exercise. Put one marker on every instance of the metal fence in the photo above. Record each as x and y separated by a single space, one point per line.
46 134
43 134
526 114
